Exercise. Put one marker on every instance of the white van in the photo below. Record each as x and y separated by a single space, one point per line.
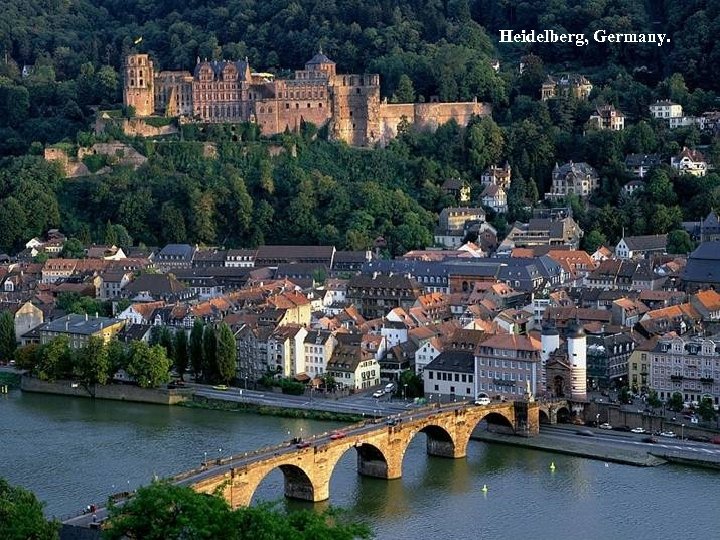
389 387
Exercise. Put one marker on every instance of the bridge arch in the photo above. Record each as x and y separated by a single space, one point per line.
298 484
439 442
496 421
544 417
563 415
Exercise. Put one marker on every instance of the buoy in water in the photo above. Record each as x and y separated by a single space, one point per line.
552 465
484 488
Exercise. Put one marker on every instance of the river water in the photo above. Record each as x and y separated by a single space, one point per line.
73 451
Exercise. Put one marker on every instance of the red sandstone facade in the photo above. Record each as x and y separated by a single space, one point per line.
226 92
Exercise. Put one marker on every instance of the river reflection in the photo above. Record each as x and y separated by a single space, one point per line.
72 452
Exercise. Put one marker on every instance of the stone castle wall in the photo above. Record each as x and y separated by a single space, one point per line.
426 116
133 127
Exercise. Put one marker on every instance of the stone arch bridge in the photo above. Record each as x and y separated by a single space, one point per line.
380 446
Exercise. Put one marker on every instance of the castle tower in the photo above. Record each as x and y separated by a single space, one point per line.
549 343
577 357
138 84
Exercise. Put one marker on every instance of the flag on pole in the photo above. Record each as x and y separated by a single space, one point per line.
137 40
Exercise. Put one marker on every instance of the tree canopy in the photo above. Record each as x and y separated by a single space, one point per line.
162 511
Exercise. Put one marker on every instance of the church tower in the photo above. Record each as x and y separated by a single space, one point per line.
138 84
549 342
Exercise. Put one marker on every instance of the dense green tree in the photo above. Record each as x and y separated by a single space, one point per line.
54 359
117 356
149 366
593 240
209 354
226 354
706 410
91 364
27 357
679 243
675 402
21 515
73 249
196 347
162 511
12 224
405 91
182 353
653 400
8 343
166 341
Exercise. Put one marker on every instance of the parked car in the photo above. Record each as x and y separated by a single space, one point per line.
482 401
650 440
715 439
337 435
303 444
605 425
638 430
221 387
591 423
585 433
622 428
392 421
378 393
668 434
389 387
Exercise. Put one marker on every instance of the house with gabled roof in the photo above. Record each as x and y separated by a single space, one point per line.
353 367
633 247
690 162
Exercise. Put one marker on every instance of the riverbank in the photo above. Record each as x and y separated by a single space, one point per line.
580 448
201 402
114 392
9 379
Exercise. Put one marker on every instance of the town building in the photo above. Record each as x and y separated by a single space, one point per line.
666 109
375 295
690 162
703 267
354 367
687 365
451 374
508 365
494 197
79 329
499 176
705 230
640 164
607 117
569 85
639 247
573 179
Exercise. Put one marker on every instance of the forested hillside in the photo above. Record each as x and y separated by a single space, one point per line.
72 51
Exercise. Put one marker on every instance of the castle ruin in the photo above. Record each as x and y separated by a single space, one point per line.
229 91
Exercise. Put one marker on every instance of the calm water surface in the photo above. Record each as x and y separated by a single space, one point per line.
71 452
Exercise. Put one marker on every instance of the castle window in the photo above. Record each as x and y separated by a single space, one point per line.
297 105
132 82
350 113
262 109
287 105
357 90
292 94
140 82
132 73
319 105
269 109
308 106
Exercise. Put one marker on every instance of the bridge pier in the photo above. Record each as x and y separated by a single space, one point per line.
371 462
440 448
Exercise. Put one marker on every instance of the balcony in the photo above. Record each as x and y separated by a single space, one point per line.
676 377
707 380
